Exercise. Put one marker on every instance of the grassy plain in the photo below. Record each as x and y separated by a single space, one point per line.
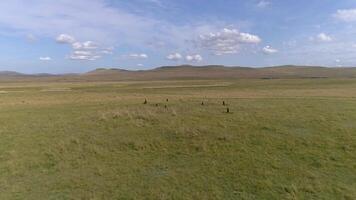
284 139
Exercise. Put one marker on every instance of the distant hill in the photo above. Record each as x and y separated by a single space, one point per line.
16 76
221 72
10 73
189 72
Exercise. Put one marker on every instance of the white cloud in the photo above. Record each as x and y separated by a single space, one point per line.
174 56
45 58
106 52
85 55
87 50
227 41
249 38
263 4
321 37
88 45
136 56
189 58
140 65
194 58
324 38
347 15
269 50
76 56
65 39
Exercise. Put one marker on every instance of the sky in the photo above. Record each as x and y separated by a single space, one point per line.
65 36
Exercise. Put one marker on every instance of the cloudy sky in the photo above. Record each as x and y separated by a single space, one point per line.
75 36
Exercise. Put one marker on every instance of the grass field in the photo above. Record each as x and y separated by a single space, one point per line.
283 139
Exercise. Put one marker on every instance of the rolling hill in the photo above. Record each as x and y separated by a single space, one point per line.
189 72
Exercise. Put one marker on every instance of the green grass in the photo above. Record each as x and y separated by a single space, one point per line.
285 139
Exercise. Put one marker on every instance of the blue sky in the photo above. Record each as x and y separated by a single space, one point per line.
76 36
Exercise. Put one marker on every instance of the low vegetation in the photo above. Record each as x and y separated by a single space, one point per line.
251 139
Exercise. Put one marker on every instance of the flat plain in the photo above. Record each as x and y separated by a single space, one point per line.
282 139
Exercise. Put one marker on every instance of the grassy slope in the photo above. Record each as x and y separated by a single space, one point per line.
286 139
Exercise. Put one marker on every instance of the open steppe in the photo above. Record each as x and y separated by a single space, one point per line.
283 139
